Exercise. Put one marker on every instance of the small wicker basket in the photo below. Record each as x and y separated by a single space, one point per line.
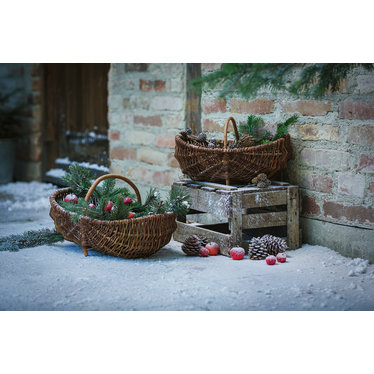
128 238
236 165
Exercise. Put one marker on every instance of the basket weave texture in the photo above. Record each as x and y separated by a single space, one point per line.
128 238
231 165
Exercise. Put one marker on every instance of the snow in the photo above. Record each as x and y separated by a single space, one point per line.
59 277
57 173
66 161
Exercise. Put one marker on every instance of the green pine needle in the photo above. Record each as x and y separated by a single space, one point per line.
30 239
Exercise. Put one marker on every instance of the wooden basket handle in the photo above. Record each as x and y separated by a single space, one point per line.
107 176
226 128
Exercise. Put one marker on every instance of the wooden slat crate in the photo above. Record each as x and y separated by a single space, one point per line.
237 210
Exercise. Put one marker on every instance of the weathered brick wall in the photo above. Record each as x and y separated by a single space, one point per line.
334 158
146 107
29 146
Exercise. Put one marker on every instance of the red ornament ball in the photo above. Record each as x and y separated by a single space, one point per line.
92 206
131 215
237 253
271 260
281 257
109 206
213 248
204 252
127 200
71 198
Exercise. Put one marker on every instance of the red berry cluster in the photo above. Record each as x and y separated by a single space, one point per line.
127 200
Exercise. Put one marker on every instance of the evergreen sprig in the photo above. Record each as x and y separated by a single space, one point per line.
28 239
315 80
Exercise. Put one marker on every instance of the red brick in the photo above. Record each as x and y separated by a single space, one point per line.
123 154
36 84
210 125
366 164
354 213
165 141
307 107
147 85
371 189
352 185
114 134
141 174
165 178
326 158
317 182
363 135
309 206
148 121
257 106
213 105
136 68
173 161
356 110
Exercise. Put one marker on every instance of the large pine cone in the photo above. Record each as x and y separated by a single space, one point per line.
274 244
257 249
192 245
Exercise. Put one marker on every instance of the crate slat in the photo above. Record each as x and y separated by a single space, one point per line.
261 199
258 220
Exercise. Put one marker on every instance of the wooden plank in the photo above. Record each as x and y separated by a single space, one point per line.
260 199
293 218
207 201
258 220
211 189
193 99
235 219
216 185
184 230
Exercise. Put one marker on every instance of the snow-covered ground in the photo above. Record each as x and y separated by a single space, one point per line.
59 277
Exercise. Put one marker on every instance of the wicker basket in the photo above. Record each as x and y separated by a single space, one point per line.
237 165
128 238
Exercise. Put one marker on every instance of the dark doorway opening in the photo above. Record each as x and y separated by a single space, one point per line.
75 121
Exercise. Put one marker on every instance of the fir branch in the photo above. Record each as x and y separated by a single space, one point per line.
30 239
315 80
282 128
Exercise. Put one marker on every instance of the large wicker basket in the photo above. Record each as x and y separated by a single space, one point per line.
128 238
235 165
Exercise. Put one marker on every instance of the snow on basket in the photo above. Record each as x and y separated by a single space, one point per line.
128 238
238 165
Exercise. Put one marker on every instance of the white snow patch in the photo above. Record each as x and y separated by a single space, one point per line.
66 161
57 173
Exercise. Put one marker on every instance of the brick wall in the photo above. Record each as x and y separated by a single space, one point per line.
334 159
29 146
146 107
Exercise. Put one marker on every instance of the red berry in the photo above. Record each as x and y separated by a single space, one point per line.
281 257
71 198
127 200
109 206
271 260
204 252
213 248
92 206
131 215
237 253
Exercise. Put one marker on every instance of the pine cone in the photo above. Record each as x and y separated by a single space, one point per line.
202 137
263 184
245 141
274 244
184 135
260 177
192 245
188 131
257 250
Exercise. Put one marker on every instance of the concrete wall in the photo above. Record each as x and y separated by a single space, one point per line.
146 107
29 146
333 143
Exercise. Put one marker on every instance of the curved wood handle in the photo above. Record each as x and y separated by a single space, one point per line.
118 176
226 128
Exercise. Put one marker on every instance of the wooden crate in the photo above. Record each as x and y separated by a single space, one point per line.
239 211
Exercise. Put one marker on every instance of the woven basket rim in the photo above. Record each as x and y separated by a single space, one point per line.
180 140
138 219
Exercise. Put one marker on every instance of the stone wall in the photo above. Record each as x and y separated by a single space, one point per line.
29 145
334 159
146 109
